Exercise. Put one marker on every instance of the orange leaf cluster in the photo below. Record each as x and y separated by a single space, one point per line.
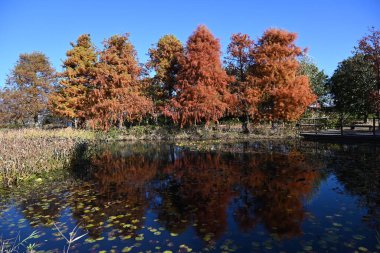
117 95
202 92
284 94
70 100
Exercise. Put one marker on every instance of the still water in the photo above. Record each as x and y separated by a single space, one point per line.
221 197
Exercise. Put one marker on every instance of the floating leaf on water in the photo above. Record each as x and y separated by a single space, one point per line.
207 237
168 251
308 248
185 247
364 249
358 237
126 237
173 234
126 249
255 244
139 238
90 240
337 224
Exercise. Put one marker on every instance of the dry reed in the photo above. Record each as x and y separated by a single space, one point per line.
30 152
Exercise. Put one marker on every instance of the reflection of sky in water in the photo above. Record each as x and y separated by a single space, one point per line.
160 197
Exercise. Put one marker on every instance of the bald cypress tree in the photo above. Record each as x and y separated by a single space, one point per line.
201 91
71 98
283 93
118 93
164 60
238 63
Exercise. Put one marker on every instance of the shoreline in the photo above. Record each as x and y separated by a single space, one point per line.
32 154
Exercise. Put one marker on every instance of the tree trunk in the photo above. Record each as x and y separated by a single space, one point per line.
274 125
245 124
35 118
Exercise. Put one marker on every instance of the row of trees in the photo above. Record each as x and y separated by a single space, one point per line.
267 80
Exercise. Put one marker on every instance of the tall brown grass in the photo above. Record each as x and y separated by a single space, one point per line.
30 152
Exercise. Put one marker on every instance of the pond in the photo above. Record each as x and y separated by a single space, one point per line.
261 196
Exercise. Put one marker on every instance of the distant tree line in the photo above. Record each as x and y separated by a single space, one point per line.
355 84
268 80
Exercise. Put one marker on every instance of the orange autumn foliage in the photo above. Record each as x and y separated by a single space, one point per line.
239 59
201 92
239 62
283 93
118 92
70 100
260 81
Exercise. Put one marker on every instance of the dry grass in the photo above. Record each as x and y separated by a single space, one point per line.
29 152
34 133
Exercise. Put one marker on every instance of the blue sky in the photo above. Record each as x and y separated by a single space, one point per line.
328 28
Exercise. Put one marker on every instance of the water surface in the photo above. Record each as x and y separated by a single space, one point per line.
233 197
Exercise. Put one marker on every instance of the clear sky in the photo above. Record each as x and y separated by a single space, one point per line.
328 28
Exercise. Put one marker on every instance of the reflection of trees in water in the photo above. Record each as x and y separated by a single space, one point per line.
118 194
187 188
272 191
268 189
199 189
44 207
357 168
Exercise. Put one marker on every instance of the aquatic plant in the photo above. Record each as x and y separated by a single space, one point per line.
73 237
14 244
